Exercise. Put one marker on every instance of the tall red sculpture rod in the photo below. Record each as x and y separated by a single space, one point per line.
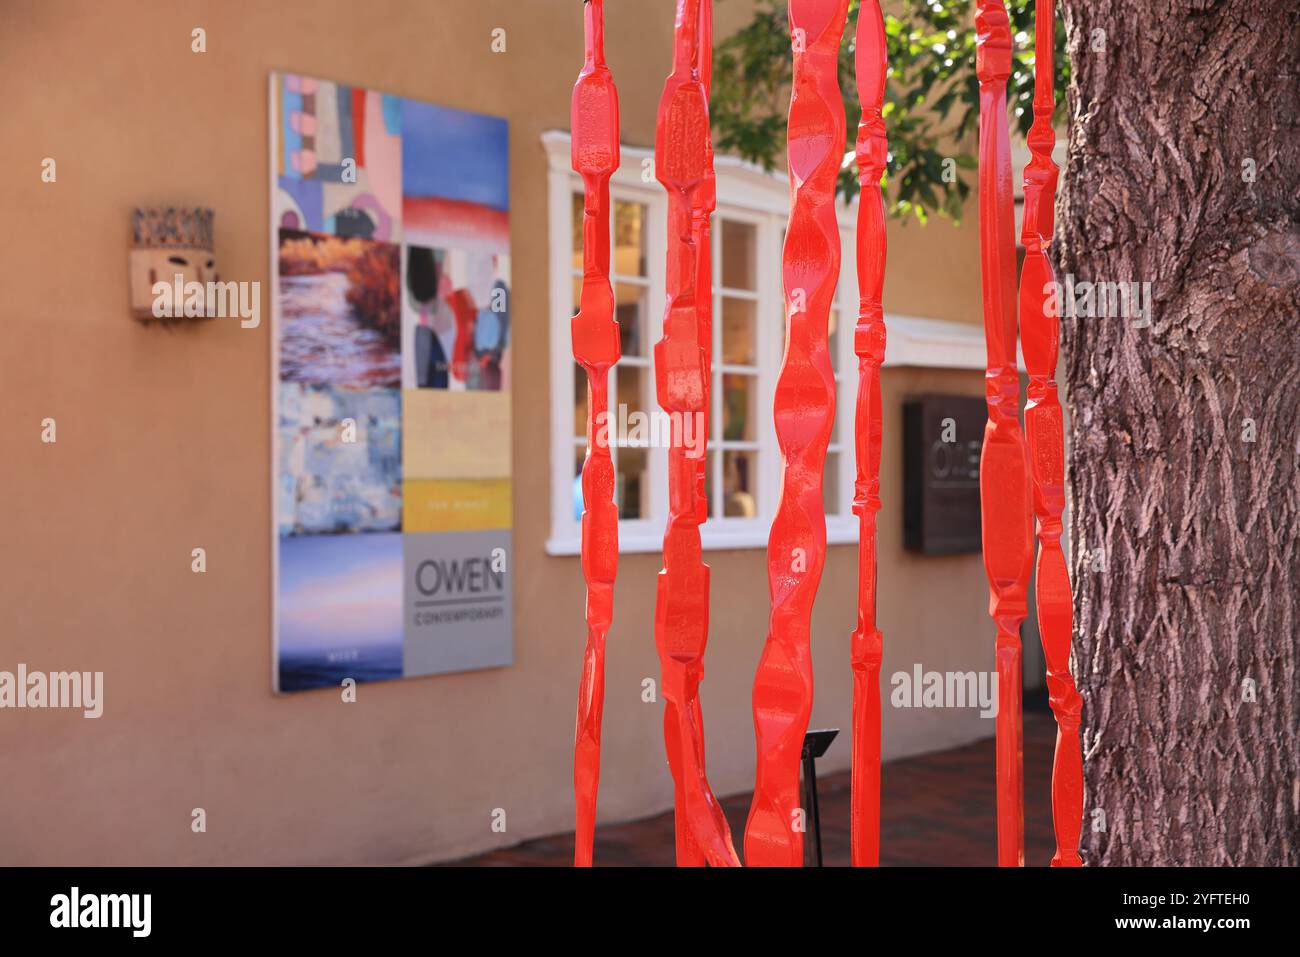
869 344
594 121
682 150
1040 340
804 410
704 244
1004 480
688 852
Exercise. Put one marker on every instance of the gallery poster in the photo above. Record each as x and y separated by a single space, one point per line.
391 378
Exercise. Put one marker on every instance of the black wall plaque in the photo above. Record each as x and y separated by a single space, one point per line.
942 437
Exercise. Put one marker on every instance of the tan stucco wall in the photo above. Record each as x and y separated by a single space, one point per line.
163 446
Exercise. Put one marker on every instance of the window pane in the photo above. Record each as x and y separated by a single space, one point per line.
739 317
834 329
630 308
577 232
631 393
785 319
831 484
712 459
738 251
739 484
579 401
739 393
630 467
579 454
629 239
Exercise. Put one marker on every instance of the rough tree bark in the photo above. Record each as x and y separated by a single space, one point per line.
1185 455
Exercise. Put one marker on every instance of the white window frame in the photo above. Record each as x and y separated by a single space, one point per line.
749 194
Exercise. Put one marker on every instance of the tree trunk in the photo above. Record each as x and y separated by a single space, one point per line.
1184 469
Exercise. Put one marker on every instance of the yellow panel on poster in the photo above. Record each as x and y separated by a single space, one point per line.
455 435
455 505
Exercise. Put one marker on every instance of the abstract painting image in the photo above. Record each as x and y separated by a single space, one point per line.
456 225
456 320
338 159
340 467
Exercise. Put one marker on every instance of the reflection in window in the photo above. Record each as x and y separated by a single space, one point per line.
579 401
578 457
629 471
739 407
631 390
711 460
629 239
739 482
738 340
738 255
630 309
831 484
576 245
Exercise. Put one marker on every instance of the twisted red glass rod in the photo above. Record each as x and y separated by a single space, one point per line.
804 408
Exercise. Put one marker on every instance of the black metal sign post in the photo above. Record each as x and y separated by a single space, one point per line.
815 744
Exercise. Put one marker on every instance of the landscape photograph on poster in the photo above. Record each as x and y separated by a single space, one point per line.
340 609
341 317
391 227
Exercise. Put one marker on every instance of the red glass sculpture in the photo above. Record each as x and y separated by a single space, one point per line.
804 409
595 127
1040 340
869 344
708 202
702 214
1004 478
684 165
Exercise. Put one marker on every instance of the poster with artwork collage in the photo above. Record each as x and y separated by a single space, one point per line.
390 225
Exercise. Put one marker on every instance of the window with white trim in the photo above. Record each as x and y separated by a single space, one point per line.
743 461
